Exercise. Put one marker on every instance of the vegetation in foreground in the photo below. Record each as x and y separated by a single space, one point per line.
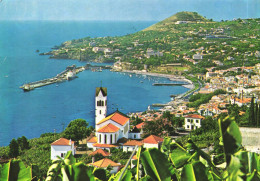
171 162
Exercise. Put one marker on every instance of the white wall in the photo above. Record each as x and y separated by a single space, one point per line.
108 140
134 135
148 145
128 148
193 122
103 109
56 150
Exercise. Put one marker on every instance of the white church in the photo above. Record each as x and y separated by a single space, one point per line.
109 128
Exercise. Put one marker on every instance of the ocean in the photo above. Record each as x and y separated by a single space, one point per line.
48 108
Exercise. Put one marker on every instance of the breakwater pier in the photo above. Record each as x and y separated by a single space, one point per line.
68 74
170 84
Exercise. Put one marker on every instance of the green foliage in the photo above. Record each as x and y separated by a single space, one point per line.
16 170
13 148
77 130
23 143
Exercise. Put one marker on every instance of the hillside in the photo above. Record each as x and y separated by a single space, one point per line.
184 42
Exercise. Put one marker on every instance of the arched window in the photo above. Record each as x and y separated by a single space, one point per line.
100 112
100 138
111 139
102 103
134 136
115 138
105 140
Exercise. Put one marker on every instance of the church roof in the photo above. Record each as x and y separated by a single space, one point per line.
102 89
100 151
63 142
109 128
104 163
152 139
117 117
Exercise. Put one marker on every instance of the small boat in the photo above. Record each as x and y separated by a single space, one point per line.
71 75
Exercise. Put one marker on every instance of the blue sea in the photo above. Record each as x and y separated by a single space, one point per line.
47 108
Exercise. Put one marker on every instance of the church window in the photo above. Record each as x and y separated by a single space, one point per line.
111 139
102 103
105 140
100 112
115 138
61 155
100 138
134 136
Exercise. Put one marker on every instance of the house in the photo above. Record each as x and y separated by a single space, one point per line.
192 121
197 57
152 141
101 152
130 145
60 148
104 163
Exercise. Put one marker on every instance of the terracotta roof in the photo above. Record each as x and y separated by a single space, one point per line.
194 116
134 157
92 140
104 163
133 143
62 141
139 126
117 117
100 151
152 139
110 128
104 145
102 89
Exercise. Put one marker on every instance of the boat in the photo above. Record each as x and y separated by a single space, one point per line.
71 75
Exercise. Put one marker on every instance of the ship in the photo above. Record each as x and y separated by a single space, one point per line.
71 75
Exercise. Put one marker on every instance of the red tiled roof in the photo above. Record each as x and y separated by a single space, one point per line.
92 140
104 163
133 143
117 117
100 151
152 139
139 126
194 116
104 145
110 128
62 141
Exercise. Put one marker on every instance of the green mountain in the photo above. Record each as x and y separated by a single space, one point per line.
180 16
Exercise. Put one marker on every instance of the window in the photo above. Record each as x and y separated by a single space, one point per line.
188 126
102 103
100 112
188 120
111 139
134 136
61 155
105 141
100 138
197 121
115 138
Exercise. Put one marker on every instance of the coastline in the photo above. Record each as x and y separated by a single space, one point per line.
190 84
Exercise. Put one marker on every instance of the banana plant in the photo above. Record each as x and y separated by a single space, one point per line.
16 170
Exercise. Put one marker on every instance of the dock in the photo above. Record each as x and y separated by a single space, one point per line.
170 84
63 76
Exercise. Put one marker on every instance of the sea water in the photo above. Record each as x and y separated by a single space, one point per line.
48 108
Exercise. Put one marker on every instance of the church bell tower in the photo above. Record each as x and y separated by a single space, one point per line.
100 104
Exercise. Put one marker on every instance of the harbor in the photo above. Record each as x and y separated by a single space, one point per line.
169 84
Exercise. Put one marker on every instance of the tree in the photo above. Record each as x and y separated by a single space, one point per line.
252 112
13 148
23 143
77 130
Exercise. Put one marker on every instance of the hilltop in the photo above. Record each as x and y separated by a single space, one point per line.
180 17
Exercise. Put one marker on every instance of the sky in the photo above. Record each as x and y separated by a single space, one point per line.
125 10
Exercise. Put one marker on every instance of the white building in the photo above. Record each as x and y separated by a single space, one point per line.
109 129
130 145
153 141
60 148
192 121
197 57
